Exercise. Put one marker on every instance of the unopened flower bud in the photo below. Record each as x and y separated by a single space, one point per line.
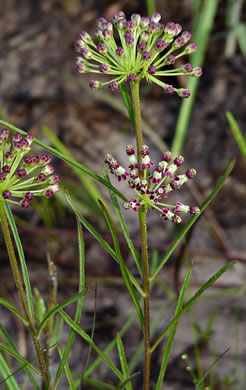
156 17
113 85
93 84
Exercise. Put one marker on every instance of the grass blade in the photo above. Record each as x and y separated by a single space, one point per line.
9 380
193 219
171 336
68 160
57 308
22 259
237 133
201 36
13 309
123 362
126 274
64 355
87 338
191 301
124 227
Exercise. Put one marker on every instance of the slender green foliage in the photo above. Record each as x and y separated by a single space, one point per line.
22 259
201 36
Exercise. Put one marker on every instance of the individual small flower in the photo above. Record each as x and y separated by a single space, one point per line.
155 185
143 50
22 176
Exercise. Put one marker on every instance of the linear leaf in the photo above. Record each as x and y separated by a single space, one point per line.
237 133
173 330
111 345
99 238
22 259
9 380
87 338
123 384
124 227
191 301
13 309
126 274
64 354
18 357
85 180
57 308
193 220
123 361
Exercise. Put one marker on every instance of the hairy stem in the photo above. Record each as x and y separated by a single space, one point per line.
144 244
22 295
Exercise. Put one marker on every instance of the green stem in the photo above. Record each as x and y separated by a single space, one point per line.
22 295
144 244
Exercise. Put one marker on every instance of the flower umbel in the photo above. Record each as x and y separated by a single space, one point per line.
23 176
154 186
143 48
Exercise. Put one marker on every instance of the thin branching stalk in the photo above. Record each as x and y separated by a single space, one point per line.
144 244
22 295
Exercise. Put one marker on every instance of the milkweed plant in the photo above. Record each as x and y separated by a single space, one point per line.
123 53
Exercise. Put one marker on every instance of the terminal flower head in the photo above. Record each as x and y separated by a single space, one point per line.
131 50
22 176
154 188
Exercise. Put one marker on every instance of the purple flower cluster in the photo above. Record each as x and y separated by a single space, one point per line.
23 176
153 187
142 48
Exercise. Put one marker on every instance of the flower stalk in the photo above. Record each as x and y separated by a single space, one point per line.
144 243
22 295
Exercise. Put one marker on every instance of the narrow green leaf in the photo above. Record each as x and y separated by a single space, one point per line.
237 133
100 385
85 180
57 308
123 384
8 379
151 6
22 258
240 30
64 355
90 228
13 309
193 220
124 227
201 37
100 240
127 101
27 364
87 338
66 369
126 274
123 362
173 329
68 160
18 357
191 301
